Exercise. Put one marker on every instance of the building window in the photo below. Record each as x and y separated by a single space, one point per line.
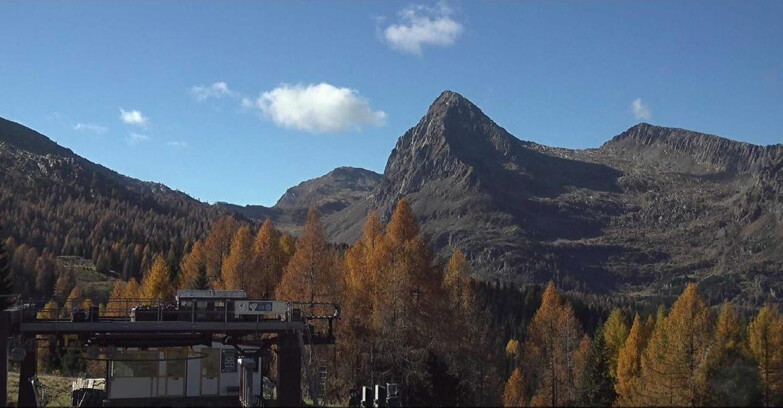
136 364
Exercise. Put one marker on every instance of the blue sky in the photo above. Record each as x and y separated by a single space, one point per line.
237 101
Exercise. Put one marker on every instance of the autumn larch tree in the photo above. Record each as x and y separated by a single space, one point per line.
238 268
629 364
156 285
363 264
310 275
217 246
288 246
765 338
675 363
468 338
733 378
193 269
115 306
269 261
407 287
65 283
551 351
514 391
615 332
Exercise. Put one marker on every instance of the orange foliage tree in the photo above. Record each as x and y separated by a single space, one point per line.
269 261
217 247
239 268
765 338
311 275
629 364
193 269
554 351
675 363
156 285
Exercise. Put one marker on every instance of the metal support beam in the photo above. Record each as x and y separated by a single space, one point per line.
106 326
289 370
26 373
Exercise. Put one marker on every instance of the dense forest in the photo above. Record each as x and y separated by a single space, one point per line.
453 340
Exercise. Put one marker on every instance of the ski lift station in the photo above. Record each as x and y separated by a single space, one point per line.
204 348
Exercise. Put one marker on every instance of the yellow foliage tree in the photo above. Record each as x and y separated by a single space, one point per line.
114 306
512 349
765 340
457 281
269 260
75 298
193 269
50 310
407 279
288 245
675 363
629 364
363 261
728 332
552 350
310 275
362 266
238 268
615 333
132 290
65 283
514 392
217 246
156 285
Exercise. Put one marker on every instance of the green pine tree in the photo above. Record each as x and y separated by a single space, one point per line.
201 281
596 388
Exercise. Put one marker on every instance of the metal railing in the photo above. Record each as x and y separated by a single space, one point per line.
129 310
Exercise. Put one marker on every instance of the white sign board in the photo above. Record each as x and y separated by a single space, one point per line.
259 307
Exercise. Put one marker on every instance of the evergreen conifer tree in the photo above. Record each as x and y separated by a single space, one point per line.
596 388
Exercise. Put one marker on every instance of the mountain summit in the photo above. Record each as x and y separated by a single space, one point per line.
641 212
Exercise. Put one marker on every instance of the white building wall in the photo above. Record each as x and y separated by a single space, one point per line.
203 377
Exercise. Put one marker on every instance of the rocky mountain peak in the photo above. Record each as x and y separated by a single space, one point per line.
682 150
452 103
331 192
447 142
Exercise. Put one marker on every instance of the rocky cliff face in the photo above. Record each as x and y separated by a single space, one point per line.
476 187
688 151
332 192
650 210
329 193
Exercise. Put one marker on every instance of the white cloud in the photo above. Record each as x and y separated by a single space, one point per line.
640 110
136 138
90 127
216 90
133 117
316 108
423 25
177 143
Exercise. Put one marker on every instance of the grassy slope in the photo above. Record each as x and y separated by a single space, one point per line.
96 286
58 389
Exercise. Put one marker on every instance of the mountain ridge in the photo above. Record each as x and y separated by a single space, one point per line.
505 202
650 209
